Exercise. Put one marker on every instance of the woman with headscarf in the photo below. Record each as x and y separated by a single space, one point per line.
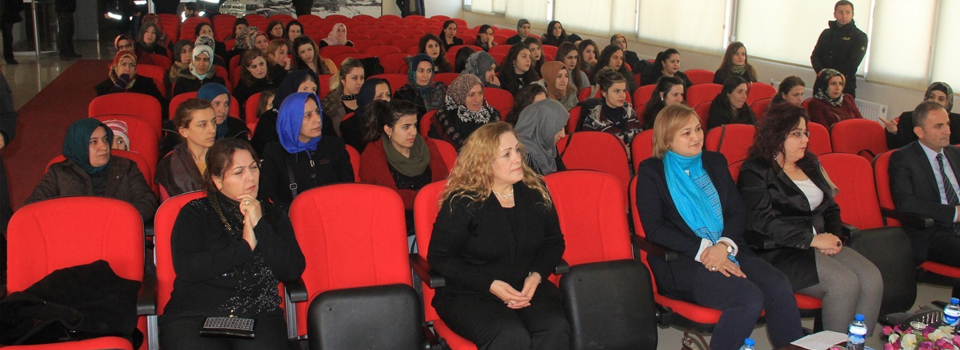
355 129
121 140
337 36
201 71
556 79
204 29
297 81
245 40
483 66
464 111
182 57
150 40
123 77
227 126
523 31
829 104
89 170
900 131
162 38
421 90
313 159
539 128
400 158
181 170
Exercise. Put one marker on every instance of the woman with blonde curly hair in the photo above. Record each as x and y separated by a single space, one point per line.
497 236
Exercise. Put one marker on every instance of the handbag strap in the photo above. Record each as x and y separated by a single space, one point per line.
293 181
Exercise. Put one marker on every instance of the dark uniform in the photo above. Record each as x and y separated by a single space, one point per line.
841 48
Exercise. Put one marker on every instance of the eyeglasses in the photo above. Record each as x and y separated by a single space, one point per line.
800 133
125 46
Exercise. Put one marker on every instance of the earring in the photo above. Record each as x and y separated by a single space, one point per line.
776 158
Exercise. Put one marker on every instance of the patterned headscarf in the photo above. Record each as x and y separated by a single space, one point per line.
944 88
116 64
204 44
822 86
456 100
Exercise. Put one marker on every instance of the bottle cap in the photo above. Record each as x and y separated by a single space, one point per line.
749 341
954 301
859 317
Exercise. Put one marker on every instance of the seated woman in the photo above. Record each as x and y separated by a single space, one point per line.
464 111
397 157
430 44
182 170
278 62
492 197
230 251
637 65
667 64
735 64
314 160
275 30
342 98
556 79
227 126
517 70
730 105
253 76
611 113
523 32
540 128
448 35
149 41
123 78
293 31
669 90
296 81
483 66
485 37
829 104
260 41
89 170
460 61
790 200
527 96
307 56
201 72
356 128
900 133
588 51
421 90
337 36
555 34
205 29
239 25
567 54
245 40
790 91
182 57
612 56
690 204
536 54
121 141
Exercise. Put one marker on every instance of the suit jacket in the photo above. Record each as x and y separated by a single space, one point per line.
915 190
777 209
905 134
665 227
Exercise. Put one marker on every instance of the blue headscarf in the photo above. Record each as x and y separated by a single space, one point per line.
695 196
76 145
291 84
290 119
210 91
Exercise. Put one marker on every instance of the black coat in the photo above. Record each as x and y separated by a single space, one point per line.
637 65
777 209
915 190
331 165
192 84
652 78
722 113
840 48
10 11
142 85
665 227
905 134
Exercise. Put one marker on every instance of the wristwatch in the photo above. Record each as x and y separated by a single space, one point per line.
729 247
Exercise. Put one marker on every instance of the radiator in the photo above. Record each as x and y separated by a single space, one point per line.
872 110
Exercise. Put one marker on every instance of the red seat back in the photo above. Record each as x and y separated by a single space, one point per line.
641 148
881 173
380 50
703 112
504 49
857 198
144 137
161 61
448 153
341 253
591 207
733 140
354 160
144 106
333 51
642 95
250 111
759 107
426 122
699 76
425 209
862 137
700 93
163 227
600 151
759 91
155 73
819 139
735 170
189 25
447 78
573 120
500 99
394 63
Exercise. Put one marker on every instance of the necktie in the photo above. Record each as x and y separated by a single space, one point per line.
951 194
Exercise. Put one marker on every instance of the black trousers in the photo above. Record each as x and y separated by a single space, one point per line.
65 36
945 249
7 31
184 333
490 324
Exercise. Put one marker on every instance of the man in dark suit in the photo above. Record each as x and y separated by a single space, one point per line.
923 181
841 46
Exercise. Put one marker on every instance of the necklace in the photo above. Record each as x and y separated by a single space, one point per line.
501 195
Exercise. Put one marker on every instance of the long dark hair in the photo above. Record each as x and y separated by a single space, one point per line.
607 54
463 54
444 29
269 29
382 113
773 131
750 73
786 85
508 77
657 102
299 63
562 52
245 61
523 99
550 39
729 86
661 57
441 61
535 66
583 63
286 30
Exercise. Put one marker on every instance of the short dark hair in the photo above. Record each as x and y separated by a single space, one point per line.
220 157
773 130
923 110
843 3
184 114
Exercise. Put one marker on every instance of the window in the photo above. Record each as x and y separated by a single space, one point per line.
684 24
534 11
486 6
902 55
601 18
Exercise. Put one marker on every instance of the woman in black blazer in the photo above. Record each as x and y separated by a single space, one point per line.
689 204
496 238
789 200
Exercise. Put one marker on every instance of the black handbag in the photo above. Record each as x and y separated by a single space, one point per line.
229 327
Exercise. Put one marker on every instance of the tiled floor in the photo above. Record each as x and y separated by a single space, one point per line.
30 76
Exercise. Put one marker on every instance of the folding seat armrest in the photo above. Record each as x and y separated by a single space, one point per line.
913 220
148 228
852 232
653 249
423 270
761 243
562 268
296 290
147 295
430 339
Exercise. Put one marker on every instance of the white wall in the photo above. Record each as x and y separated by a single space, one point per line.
452 8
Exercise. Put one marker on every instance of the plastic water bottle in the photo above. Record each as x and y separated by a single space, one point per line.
951 313
857 334
748 344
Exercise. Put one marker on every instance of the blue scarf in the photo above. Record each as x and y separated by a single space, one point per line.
210 91
76 145
694 195
290 119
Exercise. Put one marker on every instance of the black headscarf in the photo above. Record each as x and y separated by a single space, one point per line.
76 145
291 84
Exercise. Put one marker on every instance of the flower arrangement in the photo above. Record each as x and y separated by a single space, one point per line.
920 336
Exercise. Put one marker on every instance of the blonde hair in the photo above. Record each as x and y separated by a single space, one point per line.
472 174
272 48
669 121
348 65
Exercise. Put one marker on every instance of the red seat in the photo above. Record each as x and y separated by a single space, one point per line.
641 148
362 44
341 254
332 51
177 100
250 108
161 61
759 91
732 140
88 344
699 76
64 232
139 105
506 31
498 57
759 107
354 159
500 39
703 112
806 103
394 63
380 50
235 65
819 142
573 120
700 93
155 73
504 49
642 95
468 38
446 78
171 25
285 18
144 137
426 123
500 99
549 51
222 73
338 59
863 137
189 25
395 80
600 151
447 152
